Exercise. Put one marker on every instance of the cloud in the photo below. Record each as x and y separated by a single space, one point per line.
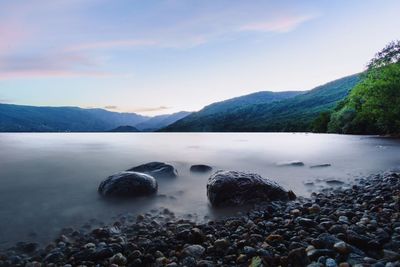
111 107
279 25
129 43
150 109
49 65
11 75
12 34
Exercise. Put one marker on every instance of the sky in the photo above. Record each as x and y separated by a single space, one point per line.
156 57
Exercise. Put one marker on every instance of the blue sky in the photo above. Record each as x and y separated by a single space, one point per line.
155 57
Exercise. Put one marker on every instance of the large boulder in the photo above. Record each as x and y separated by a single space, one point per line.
233 188
200 168
128 184
156 169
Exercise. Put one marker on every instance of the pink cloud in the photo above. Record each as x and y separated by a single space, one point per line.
112 44
11 35
49 65
28 74
280 25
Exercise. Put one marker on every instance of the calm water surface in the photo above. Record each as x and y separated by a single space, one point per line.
49 181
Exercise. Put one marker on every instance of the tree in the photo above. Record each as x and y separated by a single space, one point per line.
373 106
320 124
388 55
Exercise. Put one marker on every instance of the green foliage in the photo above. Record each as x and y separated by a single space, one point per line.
373 107
320 124
388 55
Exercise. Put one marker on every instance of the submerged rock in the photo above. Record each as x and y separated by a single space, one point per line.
200 168
128 184
294 163
232 188
334 182
320 166
156 169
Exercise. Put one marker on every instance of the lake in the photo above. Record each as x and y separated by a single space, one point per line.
49 180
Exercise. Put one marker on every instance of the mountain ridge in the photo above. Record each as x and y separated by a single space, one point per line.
292 114
25 118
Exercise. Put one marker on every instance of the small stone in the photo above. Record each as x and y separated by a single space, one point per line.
249 251
330 262
89 246
316 253
308 223
189 261
342 248
315 208
274 238
119 259
298 257
195 251
136 254
241 259
221 244
295 212
343 219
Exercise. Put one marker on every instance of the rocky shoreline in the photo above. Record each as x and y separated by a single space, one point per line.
356 225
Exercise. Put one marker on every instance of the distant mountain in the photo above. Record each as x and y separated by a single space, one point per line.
118 119
125 129
291 113
18 118
161 121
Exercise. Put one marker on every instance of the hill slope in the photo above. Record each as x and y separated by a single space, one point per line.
291 114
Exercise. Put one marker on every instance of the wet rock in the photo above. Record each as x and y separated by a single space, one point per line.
316 253
232 188
342 248
315 208
308 223
334 182
128 184
27 247
221 244
195 251
320 166
298 257
119 259
156 169
54 257
196 236
200 168
330 263
241 259
294 163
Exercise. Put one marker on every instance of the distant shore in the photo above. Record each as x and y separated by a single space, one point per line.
349 225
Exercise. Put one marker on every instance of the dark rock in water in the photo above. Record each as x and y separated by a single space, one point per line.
232 188
200 168
156 169
320 166
291 163
128 184
334 182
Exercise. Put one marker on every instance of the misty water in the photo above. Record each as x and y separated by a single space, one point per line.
49 181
